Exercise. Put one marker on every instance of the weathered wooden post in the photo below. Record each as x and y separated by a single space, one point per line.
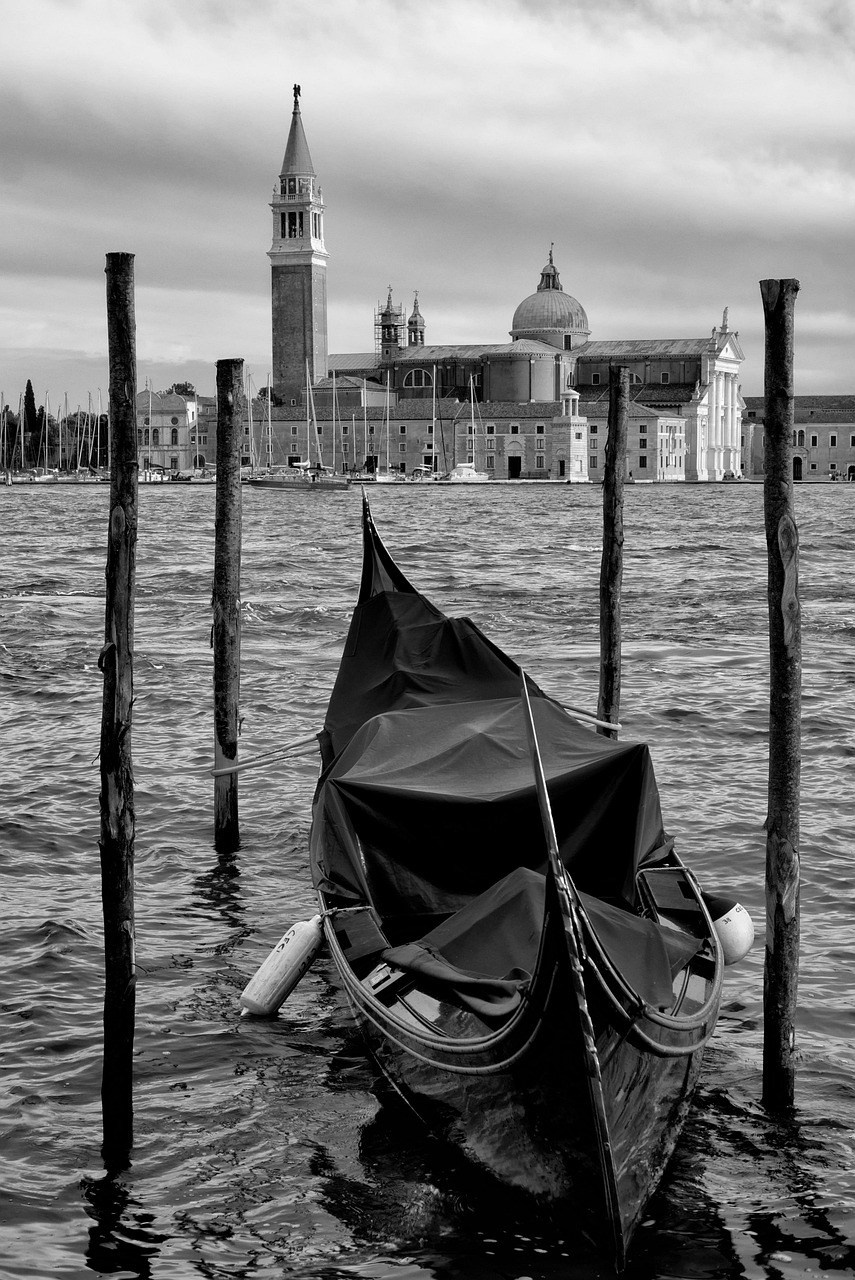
226 602
116 660
611 566
781 971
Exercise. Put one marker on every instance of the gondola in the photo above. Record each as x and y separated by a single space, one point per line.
531 964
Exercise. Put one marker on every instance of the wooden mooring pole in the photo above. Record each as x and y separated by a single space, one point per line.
116 661
781 972
611 566
226 603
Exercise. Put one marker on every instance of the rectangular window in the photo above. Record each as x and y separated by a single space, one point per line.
832 440
402 448
813 466
469 458
540 444
593 429
832 466
430 430
491 444
540 429
320 430
664 378
814 441
173 463
594 444
642 444
371 429
538 462
852 442
345 448
595 379
642 428
402 431
345 430
592 463
491 428
491 462
294 431
642 461
515 428
577 435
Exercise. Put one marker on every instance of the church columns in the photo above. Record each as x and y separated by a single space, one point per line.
712 422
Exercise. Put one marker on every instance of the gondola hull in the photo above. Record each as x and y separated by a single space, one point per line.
553 1034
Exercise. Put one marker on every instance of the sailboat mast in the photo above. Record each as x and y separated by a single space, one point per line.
269 426
364 421
387 424
433 425
333 421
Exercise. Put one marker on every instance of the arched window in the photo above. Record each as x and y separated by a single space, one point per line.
418 378
801 438
146 435
175 435
155 436
139 436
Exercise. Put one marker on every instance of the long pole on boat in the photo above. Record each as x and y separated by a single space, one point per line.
433 426
333 421
226 603
611 565
116 661
781 971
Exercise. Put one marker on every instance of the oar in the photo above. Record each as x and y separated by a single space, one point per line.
570 906
542 794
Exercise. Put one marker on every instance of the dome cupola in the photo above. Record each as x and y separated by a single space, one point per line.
550 315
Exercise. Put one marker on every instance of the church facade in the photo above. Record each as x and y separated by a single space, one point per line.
534 407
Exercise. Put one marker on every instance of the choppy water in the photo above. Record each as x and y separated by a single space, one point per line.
264 1148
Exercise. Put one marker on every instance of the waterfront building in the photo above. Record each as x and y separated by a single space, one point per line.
542 397
166 431
823 445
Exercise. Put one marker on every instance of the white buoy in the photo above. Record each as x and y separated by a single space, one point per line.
733 924
283 968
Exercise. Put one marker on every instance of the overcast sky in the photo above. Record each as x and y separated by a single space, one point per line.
676 152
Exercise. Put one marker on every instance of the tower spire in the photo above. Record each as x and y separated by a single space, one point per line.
298 268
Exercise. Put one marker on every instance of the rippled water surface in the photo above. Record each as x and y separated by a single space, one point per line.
268 1148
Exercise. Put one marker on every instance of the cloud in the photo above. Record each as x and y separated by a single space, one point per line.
675 154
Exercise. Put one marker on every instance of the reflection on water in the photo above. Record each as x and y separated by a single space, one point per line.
270 1147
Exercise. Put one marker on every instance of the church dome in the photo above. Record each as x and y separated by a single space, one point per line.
550 313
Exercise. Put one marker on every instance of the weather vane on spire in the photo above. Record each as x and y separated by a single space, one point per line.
296 93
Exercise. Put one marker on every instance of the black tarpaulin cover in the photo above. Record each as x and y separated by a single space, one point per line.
402 652
443 801
487 951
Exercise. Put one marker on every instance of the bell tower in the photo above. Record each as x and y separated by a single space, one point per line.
298 269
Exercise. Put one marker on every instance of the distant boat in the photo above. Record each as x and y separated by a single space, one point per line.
301 479
466 472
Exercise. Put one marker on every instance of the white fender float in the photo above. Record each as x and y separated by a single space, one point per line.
284 967
733 924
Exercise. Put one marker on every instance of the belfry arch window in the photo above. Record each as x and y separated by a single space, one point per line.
418 378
